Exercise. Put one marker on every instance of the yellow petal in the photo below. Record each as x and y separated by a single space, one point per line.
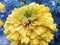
34 42
33 35
25 40
15 36
14 43
42 42
1 23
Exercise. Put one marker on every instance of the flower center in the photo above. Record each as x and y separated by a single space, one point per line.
28 14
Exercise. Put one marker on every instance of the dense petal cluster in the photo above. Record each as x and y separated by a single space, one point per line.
30 25
1 7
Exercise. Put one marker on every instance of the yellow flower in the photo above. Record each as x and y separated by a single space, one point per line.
1 23
30 25
1 7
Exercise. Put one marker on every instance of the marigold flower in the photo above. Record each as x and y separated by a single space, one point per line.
30 25
1 7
